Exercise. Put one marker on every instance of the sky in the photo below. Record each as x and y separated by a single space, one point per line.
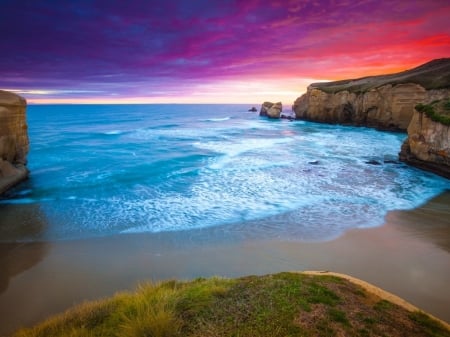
208 51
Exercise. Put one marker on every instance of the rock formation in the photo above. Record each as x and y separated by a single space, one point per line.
428 142
388 102
384 102
13 140
271 110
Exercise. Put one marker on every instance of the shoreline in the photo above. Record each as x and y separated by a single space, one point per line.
408 256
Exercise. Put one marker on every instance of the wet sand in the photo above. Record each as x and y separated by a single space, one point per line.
408 256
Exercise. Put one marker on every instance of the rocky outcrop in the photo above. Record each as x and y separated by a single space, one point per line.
13 140
428 142
386 108
388 102
271 110
384 102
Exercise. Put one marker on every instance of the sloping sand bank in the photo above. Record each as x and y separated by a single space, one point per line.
408 256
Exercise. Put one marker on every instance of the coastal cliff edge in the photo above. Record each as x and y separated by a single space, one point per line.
14 143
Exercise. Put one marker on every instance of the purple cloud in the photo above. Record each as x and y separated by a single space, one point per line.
134 48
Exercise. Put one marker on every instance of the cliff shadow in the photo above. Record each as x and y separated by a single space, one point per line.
16 258
430 221
19 226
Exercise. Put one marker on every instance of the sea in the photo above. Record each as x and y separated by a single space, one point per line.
104 170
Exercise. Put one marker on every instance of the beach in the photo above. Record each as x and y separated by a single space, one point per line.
409 256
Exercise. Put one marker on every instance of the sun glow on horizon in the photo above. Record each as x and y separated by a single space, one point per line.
253 91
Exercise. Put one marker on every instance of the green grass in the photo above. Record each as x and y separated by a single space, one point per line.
428 325
285 304
447 105
437 111
432 75
383 305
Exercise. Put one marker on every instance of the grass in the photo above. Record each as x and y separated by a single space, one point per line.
438 111
285 304
431 75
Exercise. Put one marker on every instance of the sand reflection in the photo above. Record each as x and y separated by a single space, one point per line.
430 221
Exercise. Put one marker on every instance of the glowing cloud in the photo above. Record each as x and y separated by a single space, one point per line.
209 51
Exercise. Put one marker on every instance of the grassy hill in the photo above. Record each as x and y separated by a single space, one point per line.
285 304
432 75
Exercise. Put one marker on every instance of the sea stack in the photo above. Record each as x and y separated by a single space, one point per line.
14 142
271 110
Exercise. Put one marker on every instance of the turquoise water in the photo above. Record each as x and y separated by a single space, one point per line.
101 170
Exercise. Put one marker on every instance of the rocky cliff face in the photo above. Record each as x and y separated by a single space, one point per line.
384 102
13 140
387 108
388 102
271 110
428 142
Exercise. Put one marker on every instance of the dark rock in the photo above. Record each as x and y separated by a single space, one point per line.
253 109
373 162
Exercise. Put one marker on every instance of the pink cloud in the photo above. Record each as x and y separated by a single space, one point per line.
165 48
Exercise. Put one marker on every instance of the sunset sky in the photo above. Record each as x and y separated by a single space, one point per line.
208 51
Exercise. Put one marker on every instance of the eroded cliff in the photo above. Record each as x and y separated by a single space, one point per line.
13 140
428 142
388 102
386 108
384 102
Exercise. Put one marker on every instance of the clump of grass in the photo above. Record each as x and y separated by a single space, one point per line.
152 313
430 111
383 305
447 105
429 327
285 304
339 316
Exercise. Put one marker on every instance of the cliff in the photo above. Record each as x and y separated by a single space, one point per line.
384 102
13 140
428 142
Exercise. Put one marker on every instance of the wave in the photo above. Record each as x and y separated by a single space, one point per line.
114 132
24 201
216 119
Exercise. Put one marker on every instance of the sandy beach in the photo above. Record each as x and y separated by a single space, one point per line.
409 256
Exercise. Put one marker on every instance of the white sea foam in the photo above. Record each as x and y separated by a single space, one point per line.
256 177
114 132
216 119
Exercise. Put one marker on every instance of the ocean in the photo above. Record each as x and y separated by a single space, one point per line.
103 170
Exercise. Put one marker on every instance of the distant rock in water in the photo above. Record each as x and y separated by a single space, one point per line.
14 142
428 142
384 102
271 110
253 109
373 162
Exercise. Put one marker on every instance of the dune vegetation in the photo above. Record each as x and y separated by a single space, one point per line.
285 304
